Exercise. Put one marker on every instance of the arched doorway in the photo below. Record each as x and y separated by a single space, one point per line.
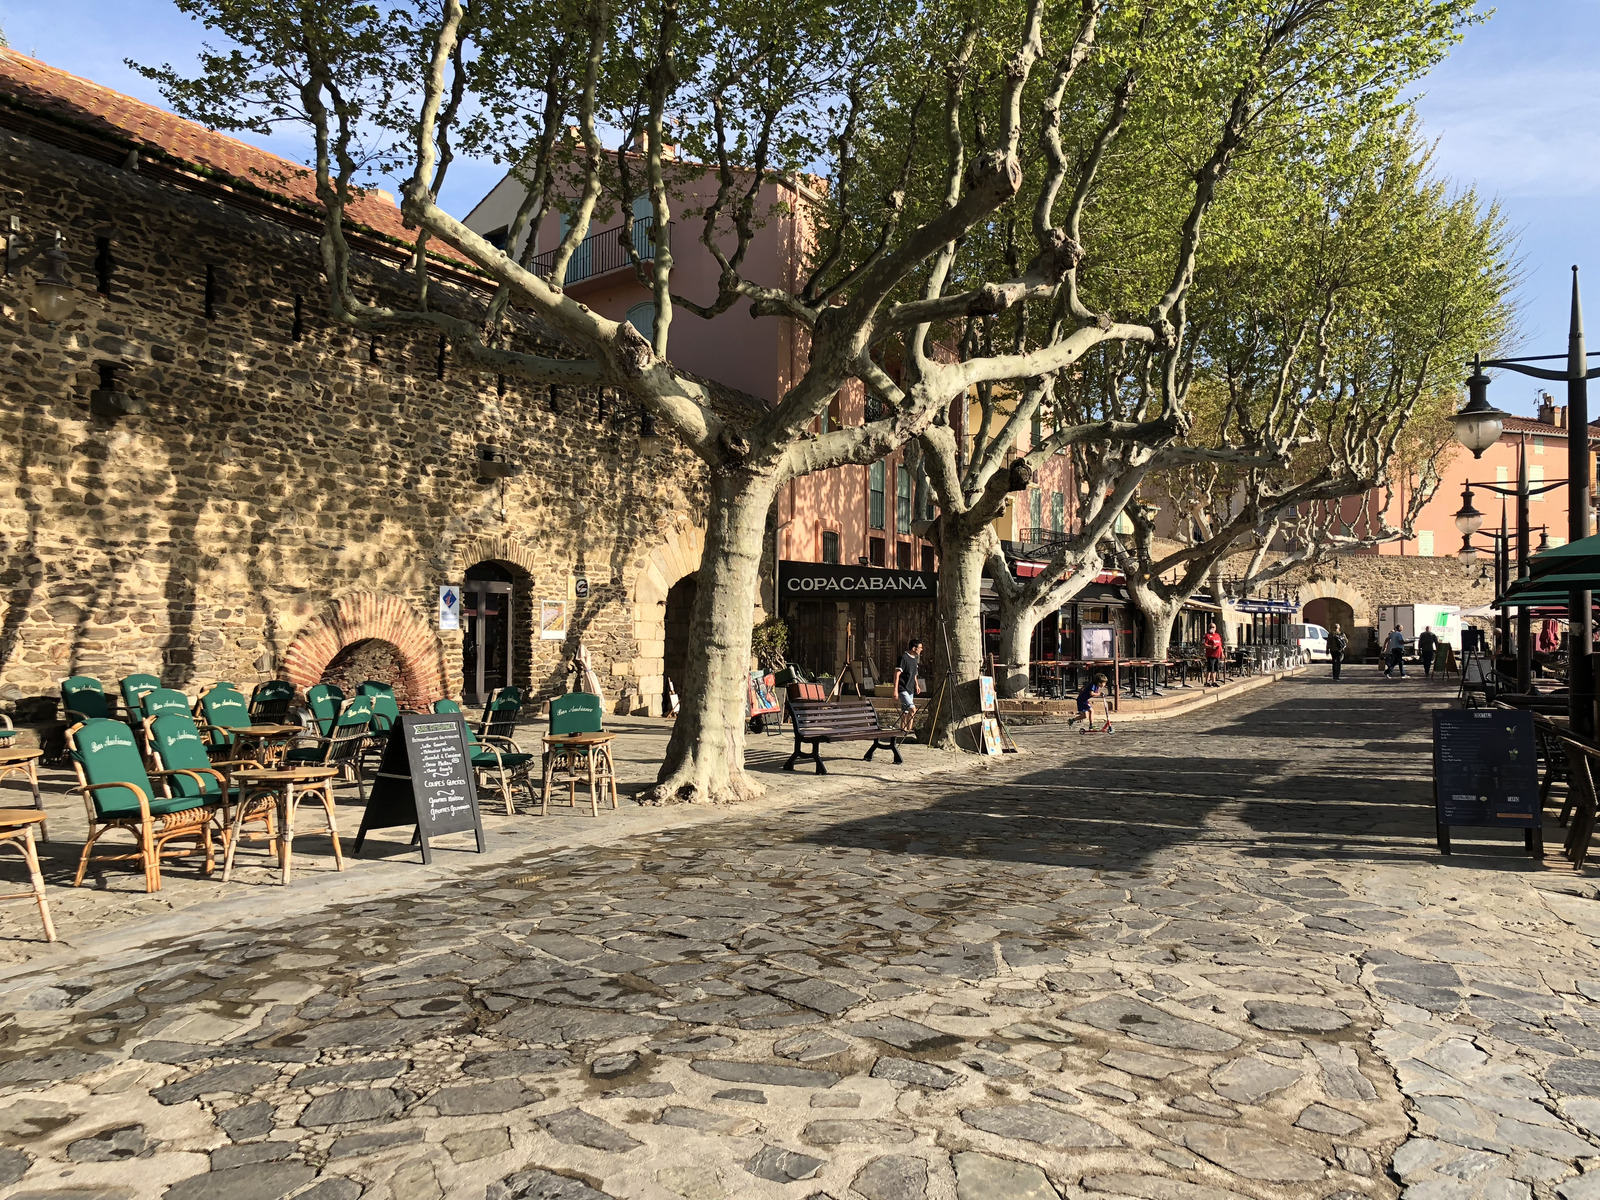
675 640
1329 611
495 630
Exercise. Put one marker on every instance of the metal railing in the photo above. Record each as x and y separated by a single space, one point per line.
605 251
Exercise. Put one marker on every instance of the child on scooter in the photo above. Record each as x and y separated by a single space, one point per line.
1086 698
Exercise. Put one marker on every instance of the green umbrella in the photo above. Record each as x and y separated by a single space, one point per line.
1568 559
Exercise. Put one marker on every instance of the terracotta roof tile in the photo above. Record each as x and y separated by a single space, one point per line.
1515 424
34 85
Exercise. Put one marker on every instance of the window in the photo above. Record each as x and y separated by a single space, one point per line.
830 546
497 237
1058 513
875 551
902 555
1536 478
875 479
1036 512
928 564
1538 445
1425 543
902 500
1557 540
643 318
1499 474
1036 432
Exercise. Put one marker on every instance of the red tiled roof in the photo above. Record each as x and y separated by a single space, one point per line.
1542 428
48 91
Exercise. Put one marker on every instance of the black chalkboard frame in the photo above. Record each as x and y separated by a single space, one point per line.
1491 777
392 800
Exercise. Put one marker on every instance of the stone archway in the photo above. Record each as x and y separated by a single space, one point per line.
358 617
678 557
1331 589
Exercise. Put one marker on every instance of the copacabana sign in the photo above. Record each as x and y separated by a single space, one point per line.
833 581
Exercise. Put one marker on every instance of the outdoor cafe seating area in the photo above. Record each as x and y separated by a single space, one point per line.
164 775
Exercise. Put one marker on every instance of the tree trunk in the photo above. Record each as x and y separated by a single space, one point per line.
1156 615
961 609
1223 627
1017 623
705 756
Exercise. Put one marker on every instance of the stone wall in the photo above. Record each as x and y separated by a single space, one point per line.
287 478
1368 581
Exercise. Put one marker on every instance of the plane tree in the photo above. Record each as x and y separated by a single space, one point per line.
900 127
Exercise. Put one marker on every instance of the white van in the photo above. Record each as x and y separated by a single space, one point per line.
1313 639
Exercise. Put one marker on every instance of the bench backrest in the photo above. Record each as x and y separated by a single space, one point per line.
850 714
807 691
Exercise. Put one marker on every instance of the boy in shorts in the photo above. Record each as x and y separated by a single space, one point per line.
1086 698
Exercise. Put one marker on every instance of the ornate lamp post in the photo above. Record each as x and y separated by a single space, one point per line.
1478 426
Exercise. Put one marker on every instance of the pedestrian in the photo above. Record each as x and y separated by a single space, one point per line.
1337 645
905 683
1427 650
1394 653
1095 688
1213 648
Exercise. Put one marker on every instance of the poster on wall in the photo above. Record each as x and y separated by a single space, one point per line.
449 607
1095 642
552 620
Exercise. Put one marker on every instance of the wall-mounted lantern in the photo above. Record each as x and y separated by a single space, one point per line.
493 464
108 400
53 298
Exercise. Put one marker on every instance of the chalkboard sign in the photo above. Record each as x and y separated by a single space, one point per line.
426 780
1486 773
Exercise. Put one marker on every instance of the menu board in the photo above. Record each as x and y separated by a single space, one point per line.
1485 770
426 780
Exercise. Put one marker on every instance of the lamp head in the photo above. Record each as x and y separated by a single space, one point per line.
1468 520
1478 425
54 297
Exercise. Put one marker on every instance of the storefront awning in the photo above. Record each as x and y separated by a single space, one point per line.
1253 605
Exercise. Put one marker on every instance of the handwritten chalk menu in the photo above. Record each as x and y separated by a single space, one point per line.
426 780
1485 772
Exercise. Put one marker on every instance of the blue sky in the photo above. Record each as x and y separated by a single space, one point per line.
1515 110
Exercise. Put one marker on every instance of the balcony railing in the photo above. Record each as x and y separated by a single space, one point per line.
604 251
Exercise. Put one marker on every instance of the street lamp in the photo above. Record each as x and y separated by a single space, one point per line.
1478 426
1468 520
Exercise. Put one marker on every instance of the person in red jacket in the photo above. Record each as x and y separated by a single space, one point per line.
1213 649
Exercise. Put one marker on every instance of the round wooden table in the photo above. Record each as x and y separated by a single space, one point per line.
16 833
283 787
263 738
26 762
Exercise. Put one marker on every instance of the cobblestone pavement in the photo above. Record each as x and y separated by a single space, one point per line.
1210 959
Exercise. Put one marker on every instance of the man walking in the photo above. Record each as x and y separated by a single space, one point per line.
1394 647
905 683
1427 650
1337 645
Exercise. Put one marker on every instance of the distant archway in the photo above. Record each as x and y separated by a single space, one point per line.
1360 608
1329 611
675 633
358 617
678 557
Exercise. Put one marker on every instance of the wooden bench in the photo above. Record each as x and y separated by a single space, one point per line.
848 719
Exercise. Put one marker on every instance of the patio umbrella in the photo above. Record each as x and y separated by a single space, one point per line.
1575 558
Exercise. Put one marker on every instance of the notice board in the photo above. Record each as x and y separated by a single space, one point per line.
1486 772
425 780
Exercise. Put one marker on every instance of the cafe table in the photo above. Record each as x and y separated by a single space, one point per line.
281 788
25 762
567 750
266 743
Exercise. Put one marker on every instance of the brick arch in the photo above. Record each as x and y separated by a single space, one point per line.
357 617
678 556
1329 589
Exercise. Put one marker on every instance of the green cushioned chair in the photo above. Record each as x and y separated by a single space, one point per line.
341 747
497 756
579 712
7 731
159 701
271 701
324 701
224 709
117 794
84 699
134 688
385 708
500 714
446 706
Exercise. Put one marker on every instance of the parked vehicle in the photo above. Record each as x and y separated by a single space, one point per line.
1443 619
1310 640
